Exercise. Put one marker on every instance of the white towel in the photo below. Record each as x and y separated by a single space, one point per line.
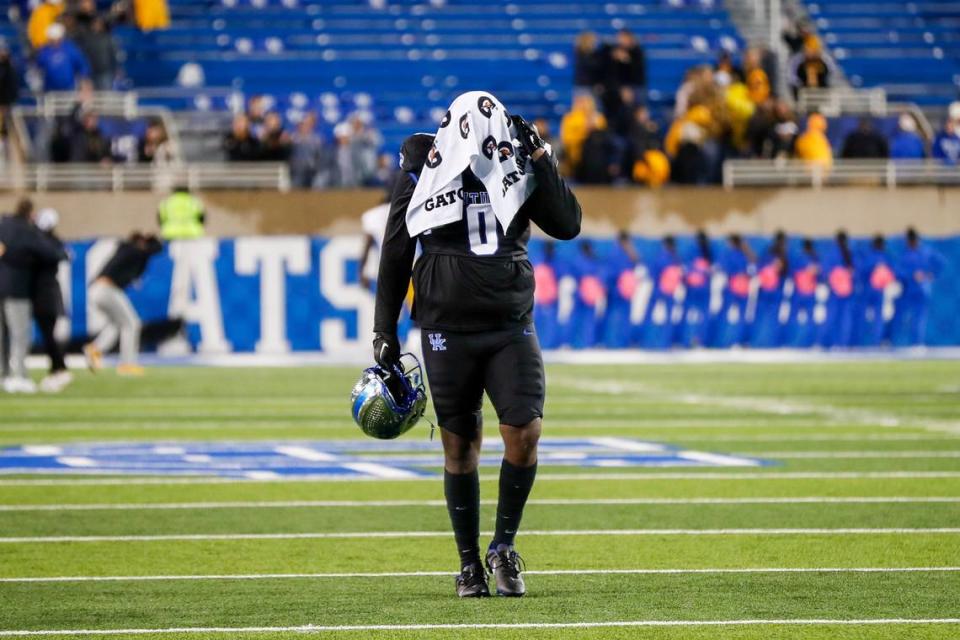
476 133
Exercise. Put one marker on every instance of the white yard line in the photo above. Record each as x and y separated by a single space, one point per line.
74 481
771 406
504 625
431 574
316 504
356 535
825 455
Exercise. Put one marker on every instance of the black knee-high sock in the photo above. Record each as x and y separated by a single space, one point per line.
463 503
515 485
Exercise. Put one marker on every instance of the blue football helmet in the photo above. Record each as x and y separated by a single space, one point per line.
387 403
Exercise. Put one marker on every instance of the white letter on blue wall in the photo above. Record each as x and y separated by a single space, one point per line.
270 256
194 295
334 288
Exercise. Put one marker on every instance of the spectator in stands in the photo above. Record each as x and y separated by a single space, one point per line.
240 145
725 69
691 146
42 18
9 85
88 143
624 80
256 114
357 146
907 143
738 109
98 46
946 146
62 64
306 153
575 126
275 143
154 148
812 68
812 145
600 163
646 162
795 34
760 72
865 142
151 15
587 68
772 130
697 81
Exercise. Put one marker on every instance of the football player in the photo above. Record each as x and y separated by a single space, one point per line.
474 304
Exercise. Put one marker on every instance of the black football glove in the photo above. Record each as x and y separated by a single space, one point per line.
386 350
528 135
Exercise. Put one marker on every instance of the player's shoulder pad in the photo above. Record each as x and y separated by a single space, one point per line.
413 152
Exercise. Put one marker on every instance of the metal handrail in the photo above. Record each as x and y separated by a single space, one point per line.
888 173
133 177
841 100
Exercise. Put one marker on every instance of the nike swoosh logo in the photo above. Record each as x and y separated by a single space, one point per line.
527 332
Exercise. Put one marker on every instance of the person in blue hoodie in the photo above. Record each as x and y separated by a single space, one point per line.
946 146
800 330
916 270
620 284
739 264
907 143
697 280
63 65
839 270
666 274
874 275
765 330
588 298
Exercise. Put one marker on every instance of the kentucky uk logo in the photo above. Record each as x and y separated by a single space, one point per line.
437 341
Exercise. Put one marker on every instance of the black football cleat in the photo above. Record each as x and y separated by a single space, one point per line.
472 582
506 564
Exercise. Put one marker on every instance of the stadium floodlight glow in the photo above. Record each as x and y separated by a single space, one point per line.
388 403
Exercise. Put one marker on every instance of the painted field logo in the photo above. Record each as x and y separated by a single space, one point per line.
396 459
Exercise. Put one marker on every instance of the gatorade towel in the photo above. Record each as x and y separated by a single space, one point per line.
546 284
697 276
627 284
670 279
591 290
740 285
881 277
770 277
805 281
841 282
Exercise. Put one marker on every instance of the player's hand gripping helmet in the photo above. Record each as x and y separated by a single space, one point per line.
386 403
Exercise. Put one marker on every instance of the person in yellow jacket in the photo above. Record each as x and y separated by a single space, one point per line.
812 146
151 15
698 115
181 216
42 17
576 126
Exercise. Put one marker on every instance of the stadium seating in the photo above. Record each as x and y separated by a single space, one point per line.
403 62
910 48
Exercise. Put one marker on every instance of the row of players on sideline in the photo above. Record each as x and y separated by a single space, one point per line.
831 296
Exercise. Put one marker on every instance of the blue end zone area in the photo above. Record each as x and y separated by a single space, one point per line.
335 458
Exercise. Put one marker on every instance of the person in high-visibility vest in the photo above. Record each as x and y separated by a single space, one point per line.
181 216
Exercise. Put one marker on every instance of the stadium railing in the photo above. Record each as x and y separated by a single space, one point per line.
840 100
888 173
133 177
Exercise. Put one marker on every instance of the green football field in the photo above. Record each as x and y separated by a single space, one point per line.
852 529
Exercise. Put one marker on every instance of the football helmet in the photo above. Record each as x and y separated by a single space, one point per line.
387 402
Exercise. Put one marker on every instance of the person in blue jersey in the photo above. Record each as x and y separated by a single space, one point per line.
666 274
620 284
697 279
800 330
839 269
765 330
917 269
739 264
874 275
546 296
588 298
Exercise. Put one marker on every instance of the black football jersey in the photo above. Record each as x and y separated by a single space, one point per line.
473 275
